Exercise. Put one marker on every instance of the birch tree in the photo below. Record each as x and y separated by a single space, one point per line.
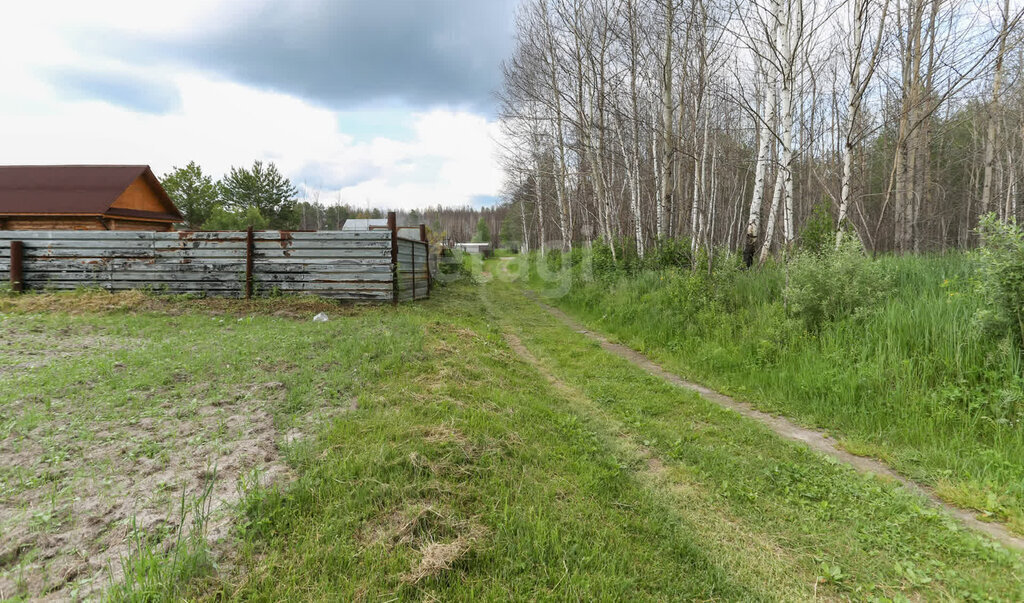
860 18
652 119
552 60
764 152
990 139
667 121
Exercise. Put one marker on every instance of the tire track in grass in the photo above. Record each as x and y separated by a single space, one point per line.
814 439
768 566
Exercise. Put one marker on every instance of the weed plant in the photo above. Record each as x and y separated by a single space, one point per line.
153 575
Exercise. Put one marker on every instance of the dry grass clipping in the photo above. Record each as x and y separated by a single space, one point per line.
438 557
439 539
404 527
98 301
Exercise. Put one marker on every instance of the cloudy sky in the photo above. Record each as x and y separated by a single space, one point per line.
384 103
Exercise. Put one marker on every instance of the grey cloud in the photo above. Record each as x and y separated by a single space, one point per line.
350 53
140 93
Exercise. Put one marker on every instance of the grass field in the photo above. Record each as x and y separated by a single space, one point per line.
912 380
468 447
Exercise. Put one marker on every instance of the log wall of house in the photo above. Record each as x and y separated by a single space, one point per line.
51 223
79 223
123 224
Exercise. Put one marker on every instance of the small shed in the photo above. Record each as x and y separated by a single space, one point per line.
364 224
84 197
474 247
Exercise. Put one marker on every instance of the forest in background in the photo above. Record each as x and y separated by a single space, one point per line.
729 123
261 197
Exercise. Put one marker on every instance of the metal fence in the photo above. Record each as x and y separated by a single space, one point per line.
374 265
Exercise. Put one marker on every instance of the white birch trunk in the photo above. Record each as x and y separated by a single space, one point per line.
560 171
990 139
1010 211
634 42
853 109
709 234
773 211
787 41
540 206
703 196
694 234
665 191
760 171
633 184
525 226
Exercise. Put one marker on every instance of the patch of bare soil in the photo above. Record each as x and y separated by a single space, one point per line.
66 517
30 346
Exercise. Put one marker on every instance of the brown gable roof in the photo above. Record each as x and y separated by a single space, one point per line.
74 189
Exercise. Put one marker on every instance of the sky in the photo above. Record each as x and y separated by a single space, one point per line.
376 103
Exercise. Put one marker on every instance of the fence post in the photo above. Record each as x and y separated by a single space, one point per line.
393 227
250 248
17 268
423 237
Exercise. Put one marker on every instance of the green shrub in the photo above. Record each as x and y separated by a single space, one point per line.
553 260
669 253
819 232
453 266
1001 278
604 264
835 283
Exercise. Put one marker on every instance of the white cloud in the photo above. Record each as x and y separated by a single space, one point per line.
448 158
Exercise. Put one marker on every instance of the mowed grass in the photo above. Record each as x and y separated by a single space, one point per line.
112 409
461 478
456 468
913 381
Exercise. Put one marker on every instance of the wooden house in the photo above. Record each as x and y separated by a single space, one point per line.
84 197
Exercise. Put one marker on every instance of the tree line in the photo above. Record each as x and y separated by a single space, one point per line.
728 122
258 196
261 197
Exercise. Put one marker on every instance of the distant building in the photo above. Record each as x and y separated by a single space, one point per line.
364 224
358 224
474 247
84 197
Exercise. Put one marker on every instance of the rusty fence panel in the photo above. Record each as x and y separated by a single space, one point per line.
413 272
342 265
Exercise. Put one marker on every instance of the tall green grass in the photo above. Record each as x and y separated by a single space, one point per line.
912 380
